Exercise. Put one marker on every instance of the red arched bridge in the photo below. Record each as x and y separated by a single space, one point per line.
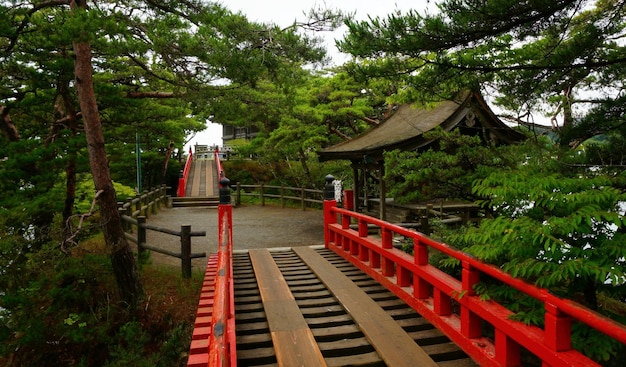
359 301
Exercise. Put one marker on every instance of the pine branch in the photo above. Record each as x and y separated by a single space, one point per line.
70 240
152 95
552 67
26 19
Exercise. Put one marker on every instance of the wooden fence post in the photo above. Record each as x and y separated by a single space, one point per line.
153 201
238 196
138 204
164 196
302 197
185 250
262 194
282 196
145 203
424 224
157 198
141 235
122 211
129 212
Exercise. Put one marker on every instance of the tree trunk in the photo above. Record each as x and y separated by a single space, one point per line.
591 294
305 168
122 259
7 126
168 154
70 170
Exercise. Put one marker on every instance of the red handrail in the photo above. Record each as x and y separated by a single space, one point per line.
182 181
431 292
222 340
218 164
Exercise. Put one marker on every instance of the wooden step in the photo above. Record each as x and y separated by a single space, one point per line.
193 201
293 340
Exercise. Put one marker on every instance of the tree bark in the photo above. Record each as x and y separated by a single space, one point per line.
69 111
305 167
7 126
168 154
122 259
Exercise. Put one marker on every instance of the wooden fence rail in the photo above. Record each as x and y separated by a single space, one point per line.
282 193
135 211
421 216
146 204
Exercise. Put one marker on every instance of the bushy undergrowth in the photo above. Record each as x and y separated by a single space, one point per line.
64 311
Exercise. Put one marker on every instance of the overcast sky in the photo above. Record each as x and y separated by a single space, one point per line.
285 12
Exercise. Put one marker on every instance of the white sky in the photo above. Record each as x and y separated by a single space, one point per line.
284 12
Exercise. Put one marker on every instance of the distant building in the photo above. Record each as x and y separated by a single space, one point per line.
230 133
203 151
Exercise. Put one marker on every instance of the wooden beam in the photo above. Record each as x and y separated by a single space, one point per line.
391 342
293 340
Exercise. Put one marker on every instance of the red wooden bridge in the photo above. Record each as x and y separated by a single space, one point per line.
358 301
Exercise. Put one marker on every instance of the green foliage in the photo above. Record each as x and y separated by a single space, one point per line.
597 345
85 193
560 233
154 78
539 60
247 172
558 226
301 114
446 171
58 309
129 348
30 191
160 70
553 221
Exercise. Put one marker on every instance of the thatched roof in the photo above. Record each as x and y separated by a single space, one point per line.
405 128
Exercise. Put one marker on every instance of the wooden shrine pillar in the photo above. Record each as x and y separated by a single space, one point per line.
382 193
356 186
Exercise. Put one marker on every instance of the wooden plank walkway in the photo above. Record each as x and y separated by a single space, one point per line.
202 180
309 307
395 347
293 341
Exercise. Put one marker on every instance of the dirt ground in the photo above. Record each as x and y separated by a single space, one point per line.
253 227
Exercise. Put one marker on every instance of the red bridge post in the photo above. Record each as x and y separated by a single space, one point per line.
329 203
222 338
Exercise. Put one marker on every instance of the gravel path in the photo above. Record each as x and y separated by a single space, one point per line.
253 227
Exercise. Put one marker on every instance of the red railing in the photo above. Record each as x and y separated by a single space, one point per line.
213 341
222 342
452 305
182 181
218 164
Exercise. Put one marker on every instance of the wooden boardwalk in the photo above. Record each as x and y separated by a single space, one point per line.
202 181
309 307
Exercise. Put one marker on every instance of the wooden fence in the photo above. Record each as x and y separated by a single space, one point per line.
300 195
144 204
416 216
134 213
